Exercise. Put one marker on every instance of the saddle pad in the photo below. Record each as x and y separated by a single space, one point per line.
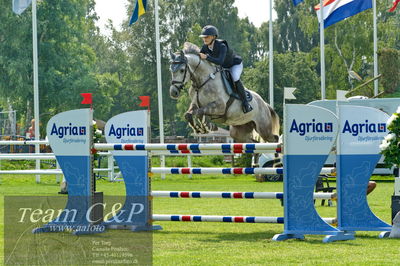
228 84
229 87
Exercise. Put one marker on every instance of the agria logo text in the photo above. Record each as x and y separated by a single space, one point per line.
312 127
367 127
69 130
127 131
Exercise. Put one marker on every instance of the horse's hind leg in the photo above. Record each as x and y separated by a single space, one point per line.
264 129
242 133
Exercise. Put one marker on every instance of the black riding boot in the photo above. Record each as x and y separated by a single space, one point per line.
242 94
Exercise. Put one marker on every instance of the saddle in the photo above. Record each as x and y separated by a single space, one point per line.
230 87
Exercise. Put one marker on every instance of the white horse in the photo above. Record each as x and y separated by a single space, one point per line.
209 99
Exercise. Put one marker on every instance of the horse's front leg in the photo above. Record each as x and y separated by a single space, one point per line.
212 109
191 121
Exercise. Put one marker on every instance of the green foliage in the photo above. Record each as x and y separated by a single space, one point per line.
197 161
296 28
65 56
390 146
217 160
244 160
290 70
389 62
26 164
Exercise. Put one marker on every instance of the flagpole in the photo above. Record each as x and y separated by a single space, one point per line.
271 58
322 48
375 48
35 83
159 84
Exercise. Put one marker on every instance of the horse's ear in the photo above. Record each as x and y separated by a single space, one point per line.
172 55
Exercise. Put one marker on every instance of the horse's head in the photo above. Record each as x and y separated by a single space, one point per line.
180 74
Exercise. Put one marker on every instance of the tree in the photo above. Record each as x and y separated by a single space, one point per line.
65 58
389 60
296 29
290 70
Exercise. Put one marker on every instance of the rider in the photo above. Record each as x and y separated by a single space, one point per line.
218 52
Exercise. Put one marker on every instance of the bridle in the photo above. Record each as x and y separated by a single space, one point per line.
176 65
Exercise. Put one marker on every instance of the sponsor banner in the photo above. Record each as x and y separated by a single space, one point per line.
361 129
129 127
310 133
69 133
310 130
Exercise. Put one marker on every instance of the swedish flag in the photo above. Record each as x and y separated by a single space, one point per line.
140 9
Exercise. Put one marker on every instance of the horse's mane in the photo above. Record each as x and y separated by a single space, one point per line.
190 48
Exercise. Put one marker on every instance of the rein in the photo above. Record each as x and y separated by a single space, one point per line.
179 84
210 77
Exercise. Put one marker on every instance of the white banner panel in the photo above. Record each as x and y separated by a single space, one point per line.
129 127
310 130
69 133
361 129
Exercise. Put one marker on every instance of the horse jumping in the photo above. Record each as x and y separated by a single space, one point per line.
210 100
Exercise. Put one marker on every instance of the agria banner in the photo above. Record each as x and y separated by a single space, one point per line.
310 133
309 130
361 131
70 137
131 127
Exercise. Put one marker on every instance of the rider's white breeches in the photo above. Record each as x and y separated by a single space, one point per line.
236 71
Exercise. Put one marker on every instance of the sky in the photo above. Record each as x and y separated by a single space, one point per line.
256 10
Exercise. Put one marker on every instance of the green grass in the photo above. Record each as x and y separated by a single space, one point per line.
234 244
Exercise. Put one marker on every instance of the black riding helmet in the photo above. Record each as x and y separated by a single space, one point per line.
209 30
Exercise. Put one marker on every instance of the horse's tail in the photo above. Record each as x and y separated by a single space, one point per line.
275 123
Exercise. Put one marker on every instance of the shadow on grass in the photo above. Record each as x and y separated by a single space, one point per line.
224 236
251 237
372 236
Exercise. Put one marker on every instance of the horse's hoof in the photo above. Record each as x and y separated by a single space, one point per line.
188 117
213 127
198 112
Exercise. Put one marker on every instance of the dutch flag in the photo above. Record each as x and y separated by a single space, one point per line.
337 10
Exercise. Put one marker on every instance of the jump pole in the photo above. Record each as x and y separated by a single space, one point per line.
225 219
227 171
230 195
